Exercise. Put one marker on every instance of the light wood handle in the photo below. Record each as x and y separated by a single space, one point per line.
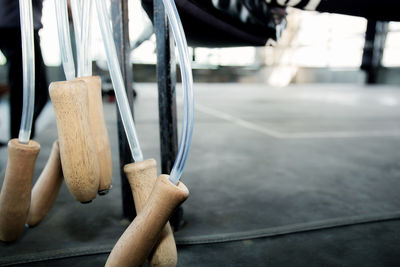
15 196
136 242
77 149
45 190
99 131
142 176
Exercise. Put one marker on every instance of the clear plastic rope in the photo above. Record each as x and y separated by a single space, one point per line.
28 69
187 83
85 38
64 39
76 17
116 77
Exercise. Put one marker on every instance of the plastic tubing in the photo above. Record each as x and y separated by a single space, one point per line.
67 57
76 17
28 69
187 83
116 77
85 38
81 17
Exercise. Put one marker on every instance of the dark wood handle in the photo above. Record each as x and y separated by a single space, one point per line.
137 241
142 176
15 196
77 149
46 188
99 131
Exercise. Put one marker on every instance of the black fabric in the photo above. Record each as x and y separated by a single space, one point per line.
9 13
226 23
10 45
384 10
209 25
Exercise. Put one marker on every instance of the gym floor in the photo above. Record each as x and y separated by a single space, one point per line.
307 175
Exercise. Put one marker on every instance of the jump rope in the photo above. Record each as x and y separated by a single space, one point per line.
87 166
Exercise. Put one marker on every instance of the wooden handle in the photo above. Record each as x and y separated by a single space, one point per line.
99 131
136 242
77 149
45 190
15 196
142 176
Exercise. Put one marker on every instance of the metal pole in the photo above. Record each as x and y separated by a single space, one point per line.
119 16
375 38
166 81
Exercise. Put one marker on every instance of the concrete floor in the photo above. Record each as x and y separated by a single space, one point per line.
262 158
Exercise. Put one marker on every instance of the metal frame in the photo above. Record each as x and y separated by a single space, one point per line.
119 17
166 81
375 38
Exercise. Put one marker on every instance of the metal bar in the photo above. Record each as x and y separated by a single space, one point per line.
375 38
119 17
166 81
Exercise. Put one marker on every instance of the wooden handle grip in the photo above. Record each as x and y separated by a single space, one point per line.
136 242
99 131
15 194
45 190
77 149
142 176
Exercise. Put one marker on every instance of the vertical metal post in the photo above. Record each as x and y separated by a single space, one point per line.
375 38
166 80
119 15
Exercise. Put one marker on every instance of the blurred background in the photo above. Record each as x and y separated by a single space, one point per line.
314 48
